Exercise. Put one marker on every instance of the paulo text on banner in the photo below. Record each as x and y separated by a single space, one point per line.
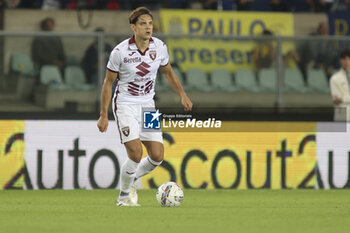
209 53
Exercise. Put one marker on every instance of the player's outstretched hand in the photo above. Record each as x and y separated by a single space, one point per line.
102 123
186 102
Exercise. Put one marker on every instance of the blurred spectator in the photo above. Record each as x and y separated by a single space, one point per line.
90 59
30 4
261 5
210 4
219 4
300 6
279 5
54 4
9 3
319 53
100 4
82 4
113 5
196 5
325 51
264 53
341 6
229 5
48 50
320 5
178 4
288 6
275 5
51 5
339 84
245 5
324 5
310 5
151 4
291 59
125 4
240 5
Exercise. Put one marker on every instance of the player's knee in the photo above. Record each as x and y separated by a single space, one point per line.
158 156
135 153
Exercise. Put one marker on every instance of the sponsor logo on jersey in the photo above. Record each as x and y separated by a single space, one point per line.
138 80
132 53
143 69
153 54
132 60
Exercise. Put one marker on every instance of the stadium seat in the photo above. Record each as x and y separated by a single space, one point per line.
268 79
72 60
294 82
22 64
245 80
317 81
222 80
75 78
197 80
51 77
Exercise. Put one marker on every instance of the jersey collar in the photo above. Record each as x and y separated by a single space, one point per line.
133 46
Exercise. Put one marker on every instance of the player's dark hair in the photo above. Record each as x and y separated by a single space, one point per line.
134 16
344 53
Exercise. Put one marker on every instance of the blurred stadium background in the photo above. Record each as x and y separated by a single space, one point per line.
222 60
263 67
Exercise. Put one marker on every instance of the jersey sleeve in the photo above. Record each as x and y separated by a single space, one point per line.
114 60
165 56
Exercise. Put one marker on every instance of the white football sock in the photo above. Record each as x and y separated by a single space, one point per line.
127 175
146 166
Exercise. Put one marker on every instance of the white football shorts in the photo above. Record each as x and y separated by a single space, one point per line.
129 119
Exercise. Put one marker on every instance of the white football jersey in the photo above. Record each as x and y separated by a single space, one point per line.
137 71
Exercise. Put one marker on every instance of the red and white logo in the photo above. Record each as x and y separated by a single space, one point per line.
153 54
126 131
143 69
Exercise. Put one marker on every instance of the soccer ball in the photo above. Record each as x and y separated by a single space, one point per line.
169 194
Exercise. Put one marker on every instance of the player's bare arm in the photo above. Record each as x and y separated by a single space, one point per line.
106 96
175 84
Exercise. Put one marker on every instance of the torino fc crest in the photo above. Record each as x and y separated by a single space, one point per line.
126 131
153 54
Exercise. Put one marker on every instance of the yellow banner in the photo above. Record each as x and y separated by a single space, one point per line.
11 154
280 159
208 54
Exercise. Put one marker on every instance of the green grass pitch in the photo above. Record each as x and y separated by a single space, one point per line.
215 211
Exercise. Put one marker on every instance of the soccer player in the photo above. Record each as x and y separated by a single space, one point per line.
135 62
